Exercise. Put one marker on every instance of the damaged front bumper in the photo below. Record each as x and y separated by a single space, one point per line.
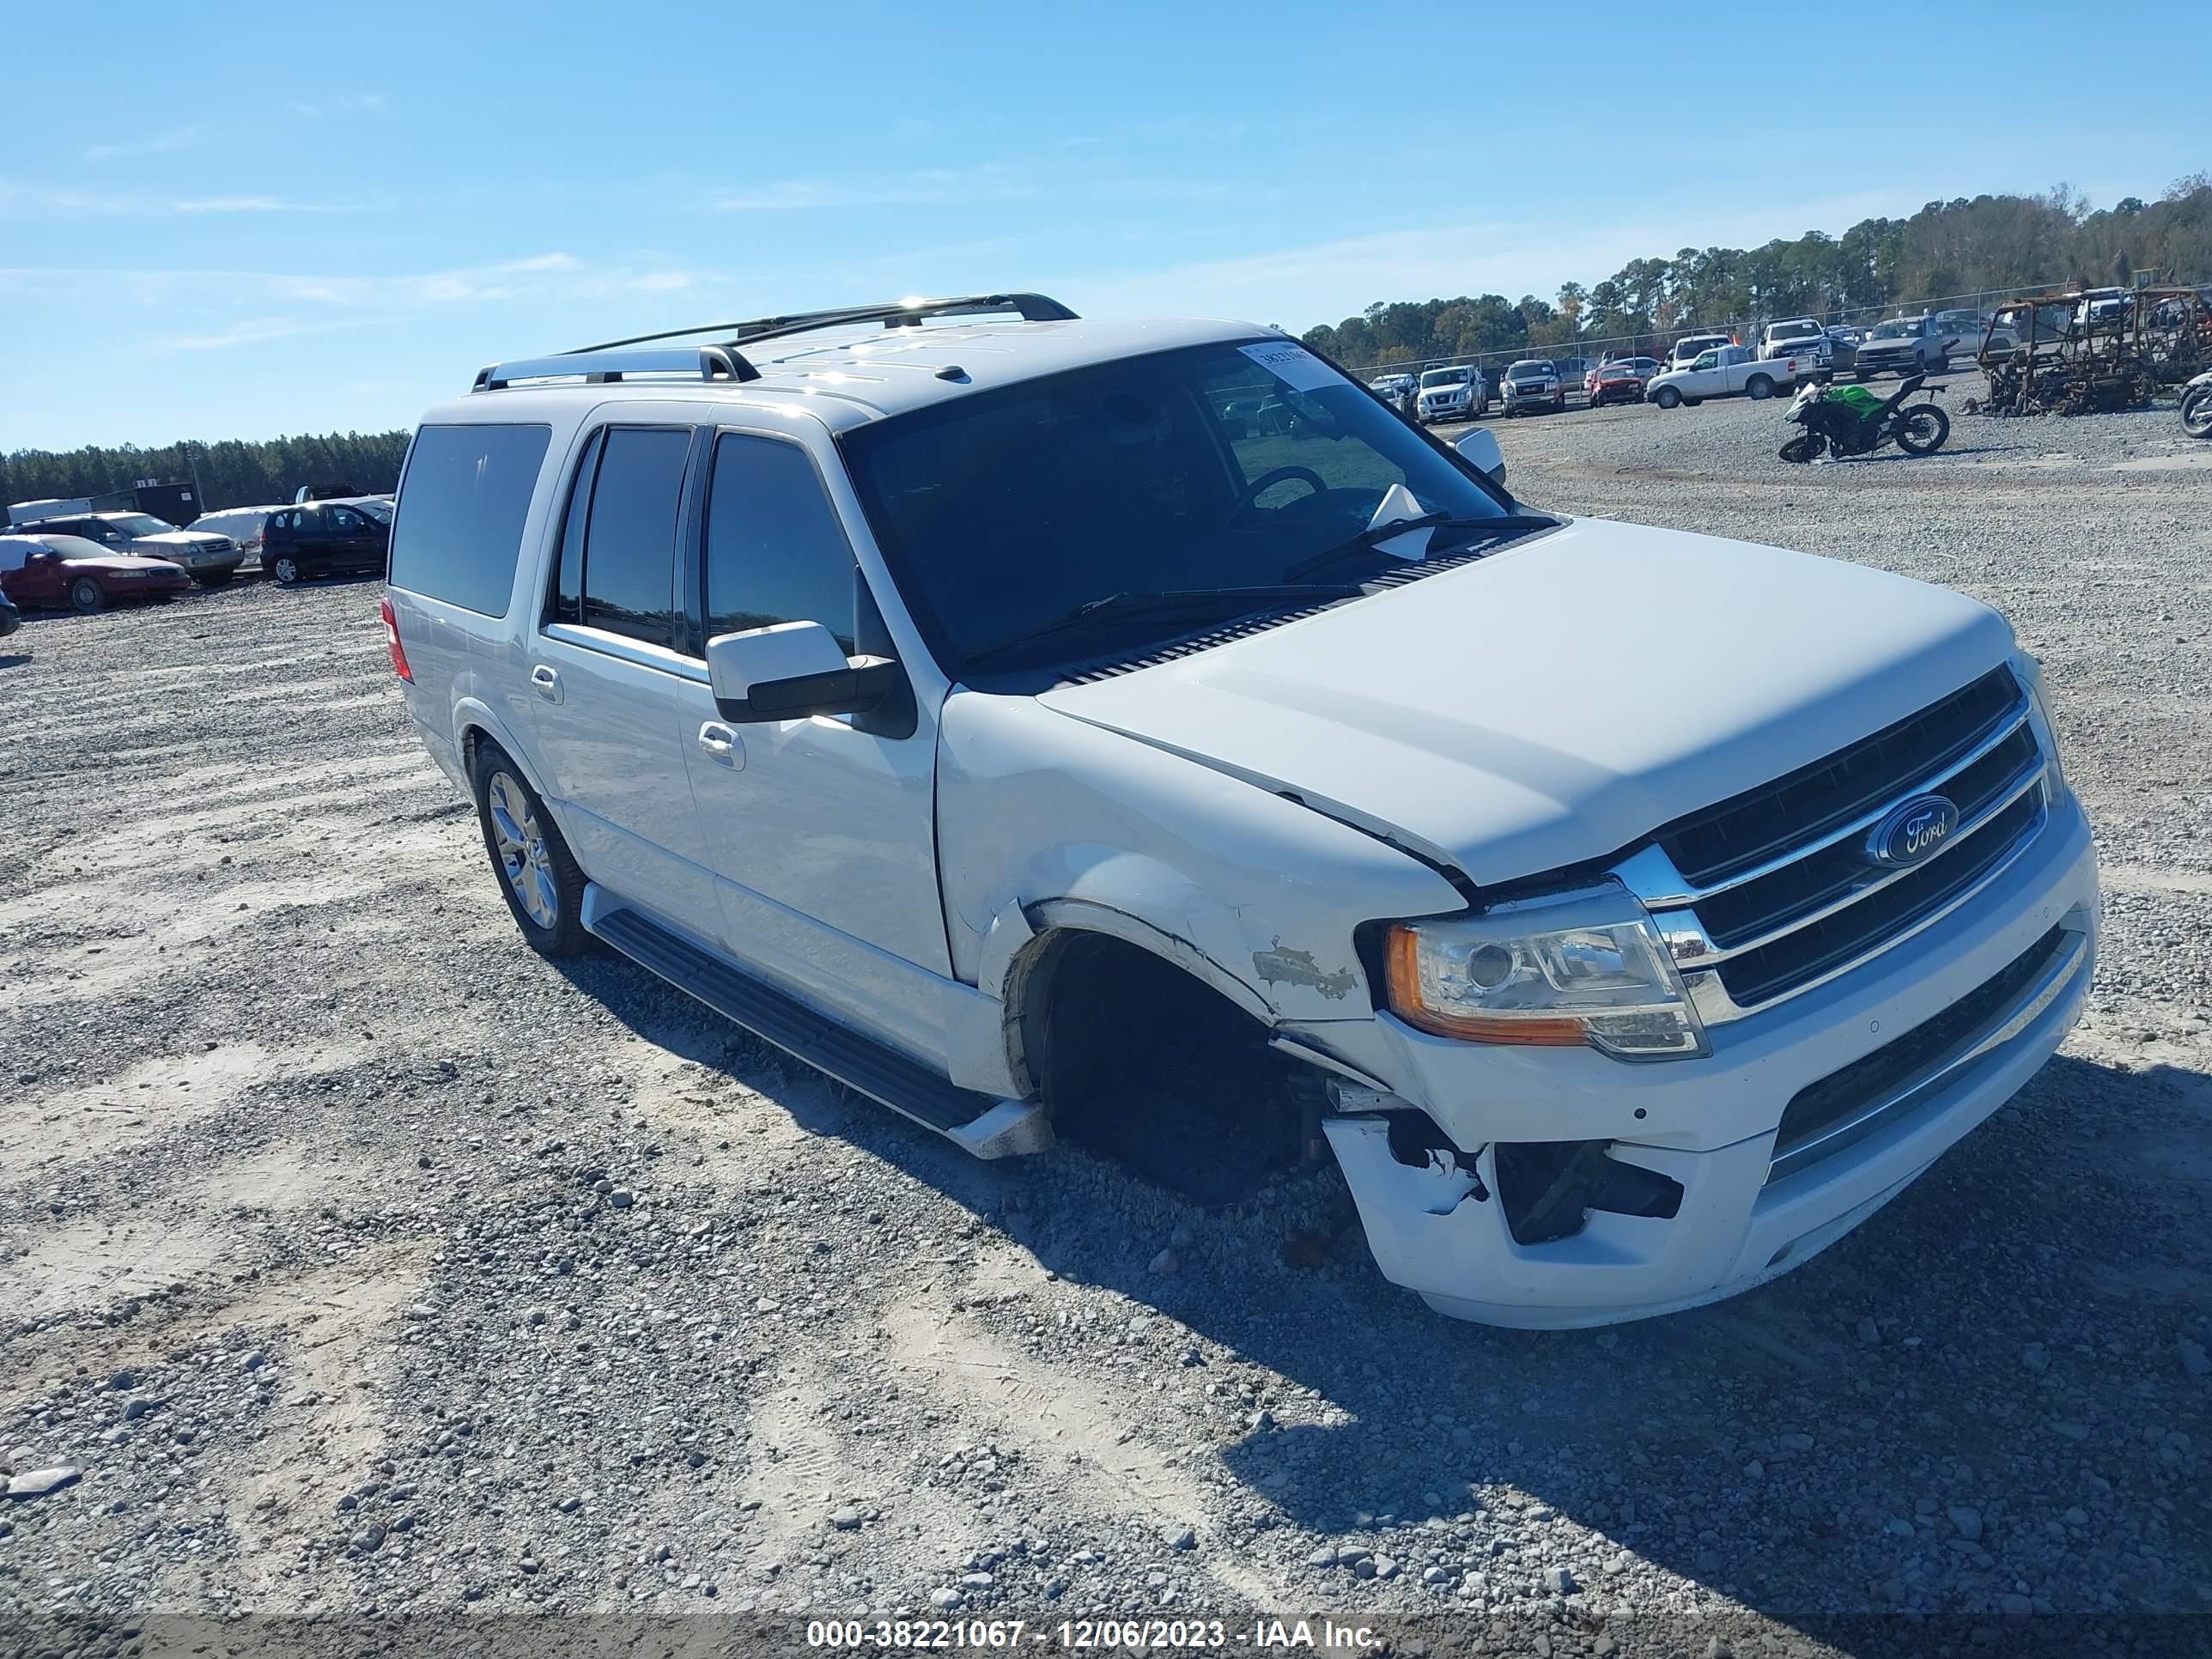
1554 1188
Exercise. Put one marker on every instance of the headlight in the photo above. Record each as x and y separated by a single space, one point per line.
1562 970
2029 672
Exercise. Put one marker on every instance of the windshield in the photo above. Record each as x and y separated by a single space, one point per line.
141 524
1793 330
1444 377
1002 512
1899 328
1529 371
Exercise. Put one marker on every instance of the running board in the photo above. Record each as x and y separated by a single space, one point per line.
906 1085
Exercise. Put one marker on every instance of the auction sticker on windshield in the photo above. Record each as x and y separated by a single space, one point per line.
1293 365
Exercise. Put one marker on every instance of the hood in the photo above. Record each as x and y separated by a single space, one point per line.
180 538
125 564
1561 701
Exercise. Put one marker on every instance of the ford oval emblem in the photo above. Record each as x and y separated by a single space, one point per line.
1914 831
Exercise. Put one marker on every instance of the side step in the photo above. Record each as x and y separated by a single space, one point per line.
905 1086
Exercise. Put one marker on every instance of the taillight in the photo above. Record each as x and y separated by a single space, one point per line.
391 638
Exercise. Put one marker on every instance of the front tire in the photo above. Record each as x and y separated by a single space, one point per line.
537 874
88 595
2196 414
1666 398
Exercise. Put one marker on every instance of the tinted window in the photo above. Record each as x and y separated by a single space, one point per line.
566 602
345 520
775 552
629 547
459 529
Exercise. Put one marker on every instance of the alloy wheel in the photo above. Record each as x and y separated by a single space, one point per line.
519 845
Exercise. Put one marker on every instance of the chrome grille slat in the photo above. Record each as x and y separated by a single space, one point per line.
1743 949
1685 893
2019 785
1714 1006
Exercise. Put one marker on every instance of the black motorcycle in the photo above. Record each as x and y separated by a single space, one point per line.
1848 420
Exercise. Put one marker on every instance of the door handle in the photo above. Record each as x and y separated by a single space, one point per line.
547 682
722 745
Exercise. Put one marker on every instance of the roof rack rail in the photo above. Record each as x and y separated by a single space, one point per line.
896 313
612 360
601 366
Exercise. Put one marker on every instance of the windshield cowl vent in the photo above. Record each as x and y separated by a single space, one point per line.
1243 628
1246 627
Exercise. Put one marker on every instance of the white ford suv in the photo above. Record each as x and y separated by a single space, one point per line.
960 695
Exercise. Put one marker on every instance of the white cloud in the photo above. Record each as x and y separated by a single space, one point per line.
37 199
360 103
989 183
252 332
154 144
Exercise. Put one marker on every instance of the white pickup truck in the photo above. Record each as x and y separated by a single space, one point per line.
1725 371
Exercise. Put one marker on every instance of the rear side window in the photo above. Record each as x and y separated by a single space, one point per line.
775 552
459 529
629 541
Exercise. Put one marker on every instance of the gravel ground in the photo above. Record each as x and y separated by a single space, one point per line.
356 1261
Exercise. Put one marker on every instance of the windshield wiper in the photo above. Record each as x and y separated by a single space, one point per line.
1368 540
1118 607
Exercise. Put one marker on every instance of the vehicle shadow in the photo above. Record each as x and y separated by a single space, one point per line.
1995 1343
14 659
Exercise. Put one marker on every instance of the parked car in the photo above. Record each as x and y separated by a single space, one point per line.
1608 1003
1691 346
1959 331
243 524
1902 345
1532 384
1798 337
212 558
325 539
1457 393
1725 371
1396 389
1620 381
43 568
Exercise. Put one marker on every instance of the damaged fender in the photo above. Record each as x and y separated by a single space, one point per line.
1064 823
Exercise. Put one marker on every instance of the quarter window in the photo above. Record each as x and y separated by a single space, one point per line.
775 552
629 543
464 500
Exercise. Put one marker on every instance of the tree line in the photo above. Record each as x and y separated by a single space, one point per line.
231 473
1947 248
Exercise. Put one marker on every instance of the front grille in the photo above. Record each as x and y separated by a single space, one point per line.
1820 878
1761 823
1771 891
1761 974
1875 1080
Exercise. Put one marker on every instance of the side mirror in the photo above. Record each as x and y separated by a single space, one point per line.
1479 448
792 671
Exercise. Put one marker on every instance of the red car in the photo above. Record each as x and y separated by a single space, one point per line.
1620 381
69 570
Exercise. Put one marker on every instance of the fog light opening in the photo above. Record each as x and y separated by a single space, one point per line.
1549 1188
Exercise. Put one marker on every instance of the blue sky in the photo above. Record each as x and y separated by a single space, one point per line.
232 221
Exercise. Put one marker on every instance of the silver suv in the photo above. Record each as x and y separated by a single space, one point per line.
1140 733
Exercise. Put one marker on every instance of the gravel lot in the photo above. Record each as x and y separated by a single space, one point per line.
362 1262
